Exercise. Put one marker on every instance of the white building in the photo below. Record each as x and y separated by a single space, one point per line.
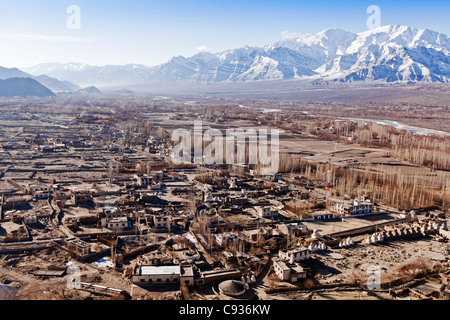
143 180
322 215
240 167
40 191
161 221
226 237
287 271
112 213
118 224
357 207
282 270
287 266
266 212
113 219
164 275
157 274
295 255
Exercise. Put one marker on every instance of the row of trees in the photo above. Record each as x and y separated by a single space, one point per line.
394 187
432 151
398 186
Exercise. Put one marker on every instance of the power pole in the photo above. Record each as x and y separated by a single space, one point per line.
328 194
112 252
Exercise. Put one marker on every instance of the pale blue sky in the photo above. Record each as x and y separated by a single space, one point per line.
151 32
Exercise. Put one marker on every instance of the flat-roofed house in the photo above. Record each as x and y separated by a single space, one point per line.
281 269
161 221
266 212
296 228
40 191
157 274
291 272
227 237
113 219
322 215
295 255
143 180
187 275
287 265
357 207
119 223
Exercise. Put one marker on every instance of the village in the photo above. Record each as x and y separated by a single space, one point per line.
93 207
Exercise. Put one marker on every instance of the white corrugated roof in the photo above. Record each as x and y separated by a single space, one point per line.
149 270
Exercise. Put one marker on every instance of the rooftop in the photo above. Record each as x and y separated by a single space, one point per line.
296 250
118 219
155 270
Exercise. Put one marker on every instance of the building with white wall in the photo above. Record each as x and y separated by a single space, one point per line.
113 218
322 215
227 237
143 180
40 191
282 270
157 274
295 255
362 206
183 275
161 221
266 212
119 223
291 272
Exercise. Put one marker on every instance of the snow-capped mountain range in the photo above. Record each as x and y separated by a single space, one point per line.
389 54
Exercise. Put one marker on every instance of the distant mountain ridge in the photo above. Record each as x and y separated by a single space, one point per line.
23 87
49 82
389 54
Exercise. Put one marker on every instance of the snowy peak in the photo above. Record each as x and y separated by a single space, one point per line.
328 37
400 37
326 44
386 54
